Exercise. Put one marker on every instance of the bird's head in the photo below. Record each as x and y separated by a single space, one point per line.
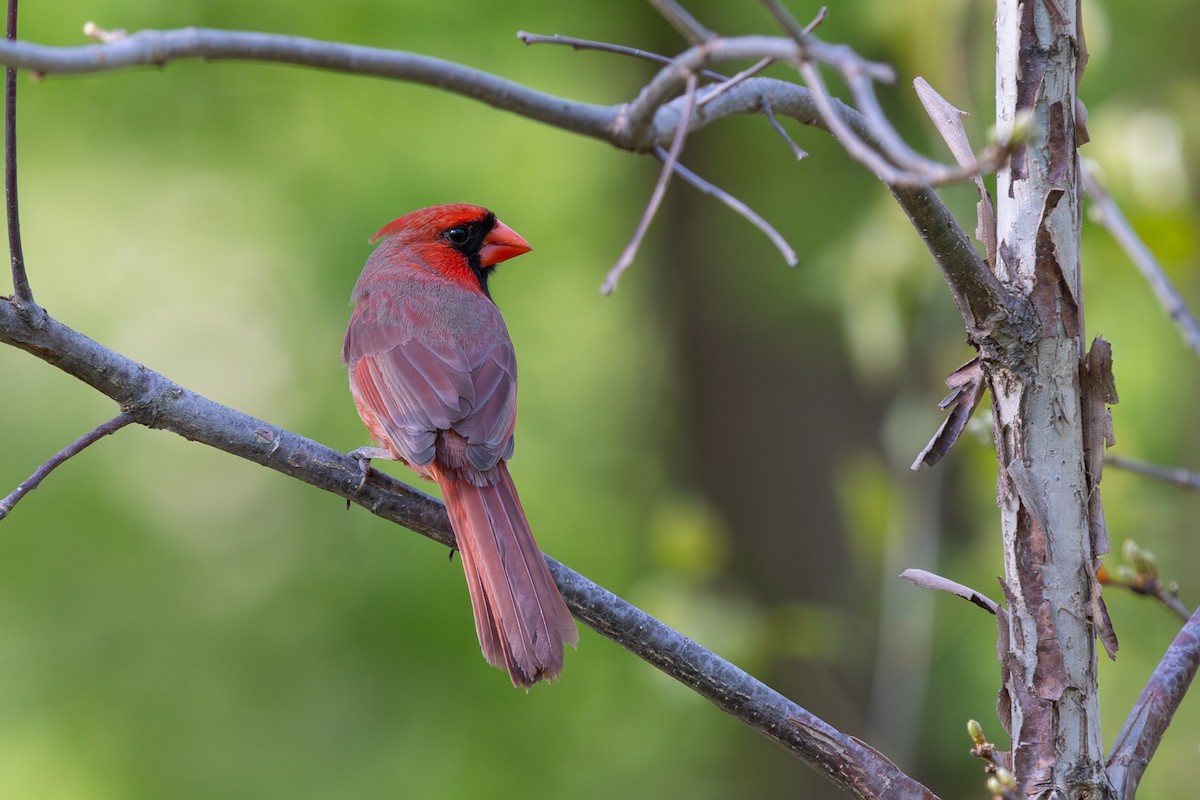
462 241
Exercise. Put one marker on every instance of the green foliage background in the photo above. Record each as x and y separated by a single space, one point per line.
175 623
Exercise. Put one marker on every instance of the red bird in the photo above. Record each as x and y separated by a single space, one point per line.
434 377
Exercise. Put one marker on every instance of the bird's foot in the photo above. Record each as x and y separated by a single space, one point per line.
363 456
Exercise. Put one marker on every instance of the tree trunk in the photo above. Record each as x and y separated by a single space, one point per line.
1048 498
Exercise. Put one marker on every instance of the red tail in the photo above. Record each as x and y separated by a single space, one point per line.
520 617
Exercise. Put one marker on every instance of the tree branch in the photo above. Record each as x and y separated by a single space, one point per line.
656 196
29 484
153 400
1177 476
683 21
157 48
981 299
737 206
20 280
1105 211
1151 715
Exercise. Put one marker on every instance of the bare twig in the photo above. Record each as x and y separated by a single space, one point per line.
1154 709
1177 476
822 12
853 143
153 400
20 280
607 47
1106 212
73 449
789 255
887 154
799 152
789 23
729 83
660 189
658 58
683 21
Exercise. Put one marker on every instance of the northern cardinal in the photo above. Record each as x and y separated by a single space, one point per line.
434 377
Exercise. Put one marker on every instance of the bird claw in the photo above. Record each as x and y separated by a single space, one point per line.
363 456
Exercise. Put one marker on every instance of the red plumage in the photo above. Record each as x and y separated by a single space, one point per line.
434 377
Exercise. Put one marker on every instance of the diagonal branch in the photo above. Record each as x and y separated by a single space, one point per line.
737 206
656 196
70 451
1106 212
1177 476
1152 713
151 399
683 21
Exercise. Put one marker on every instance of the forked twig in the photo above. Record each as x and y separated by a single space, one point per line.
73 449
660 189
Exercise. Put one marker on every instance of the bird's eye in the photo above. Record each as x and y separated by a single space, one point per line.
458 235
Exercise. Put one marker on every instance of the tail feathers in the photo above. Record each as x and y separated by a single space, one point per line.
520 617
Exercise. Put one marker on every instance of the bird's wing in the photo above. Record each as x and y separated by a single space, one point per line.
415 388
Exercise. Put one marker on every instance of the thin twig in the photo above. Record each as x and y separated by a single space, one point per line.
607 47
866 101
789 23
1176 476
797 150
73 449
1152 713
658 58
21 287
852 142
789 255
1167 595
683 21
1106 212
729 83
660 189
817 20
887 154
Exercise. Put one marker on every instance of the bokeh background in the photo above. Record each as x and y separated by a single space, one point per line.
725 442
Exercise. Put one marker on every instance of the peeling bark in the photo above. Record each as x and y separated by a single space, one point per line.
1048 488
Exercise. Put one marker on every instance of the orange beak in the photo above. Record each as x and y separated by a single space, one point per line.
501 244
